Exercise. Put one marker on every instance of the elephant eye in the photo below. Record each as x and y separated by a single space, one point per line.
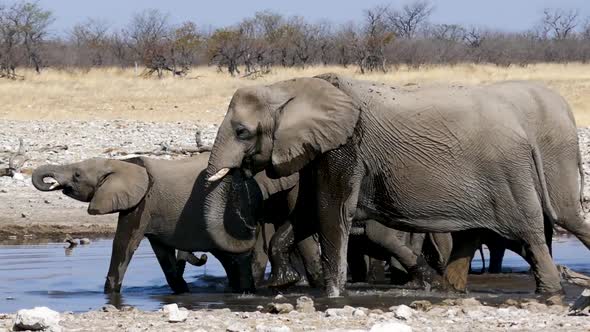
77 174
243 132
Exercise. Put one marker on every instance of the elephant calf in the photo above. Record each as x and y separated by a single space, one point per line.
171 203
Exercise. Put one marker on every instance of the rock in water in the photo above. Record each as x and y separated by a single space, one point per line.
37 319
279 308
421 305
391 327
305 305
582 302
175 315
403 312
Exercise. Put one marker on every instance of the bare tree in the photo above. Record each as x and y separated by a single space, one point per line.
148 35
23 30
186 42
559 24
407 21
448 32
91 38
226 48
376 36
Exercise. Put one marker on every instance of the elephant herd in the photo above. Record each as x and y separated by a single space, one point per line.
315 174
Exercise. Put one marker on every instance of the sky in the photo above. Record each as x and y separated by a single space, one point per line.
508 15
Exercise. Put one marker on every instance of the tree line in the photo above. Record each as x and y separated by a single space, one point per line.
382 38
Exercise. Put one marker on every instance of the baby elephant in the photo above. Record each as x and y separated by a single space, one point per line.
171 203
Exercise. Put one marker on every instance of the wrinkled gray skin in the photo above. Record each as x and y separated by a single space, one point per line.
502 157
171 203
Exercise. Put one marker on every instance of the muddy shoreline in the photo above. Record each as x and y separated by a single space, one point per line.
465 314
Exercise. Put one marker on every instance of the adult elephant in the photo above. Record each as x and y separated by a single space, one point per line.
175 208
437 159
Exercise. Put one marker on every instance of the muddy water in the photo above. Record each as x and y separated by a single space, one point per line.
64 280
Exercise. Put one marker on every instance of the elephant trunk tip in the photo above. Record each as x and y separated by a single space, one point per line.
44 179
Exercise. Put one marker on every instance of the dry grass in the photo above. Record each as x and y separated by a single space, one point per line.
204 95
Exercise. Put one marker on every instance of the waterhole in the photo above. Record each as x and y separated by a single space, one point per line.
72 280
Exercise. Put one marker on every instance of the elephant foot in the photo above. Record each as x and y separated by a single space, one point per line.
111 286
455 276
179 286
424 277
284 277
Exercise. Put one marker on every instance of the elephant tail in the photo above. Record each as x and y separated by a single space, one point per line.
545 199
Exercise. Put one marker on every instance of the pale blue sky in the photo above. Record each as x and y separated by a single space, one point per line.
502 14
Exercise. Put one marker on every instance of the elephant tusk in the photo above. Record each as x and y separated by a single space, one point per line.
54 185
219 175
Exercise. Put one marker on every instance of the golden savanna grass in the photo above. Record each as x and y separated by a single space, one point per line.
205 93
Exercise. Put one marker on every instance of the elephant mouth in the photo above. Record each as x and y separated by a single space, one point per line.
53 183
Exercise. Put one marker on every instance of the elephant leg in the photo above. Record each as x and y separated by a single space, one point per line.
544 269
398 274
260 256
496 256
282 243
356 258
336 210
376 271
437 250
238 268
465 244
309 249
416 265
167 258
542 265
128 235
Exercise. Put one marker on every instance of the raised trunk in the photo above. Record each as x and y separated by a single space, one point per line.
47 171
230 208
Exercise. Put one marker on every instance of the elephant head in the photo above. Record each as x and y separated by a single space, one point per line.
109 185
282 127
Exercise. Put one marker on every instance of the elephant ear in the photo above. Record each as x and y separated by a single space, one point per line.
122 189
314 117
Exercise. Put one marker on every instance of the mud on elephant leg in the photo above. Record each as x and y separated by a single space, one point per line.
464 246
282 243
167 258
309 248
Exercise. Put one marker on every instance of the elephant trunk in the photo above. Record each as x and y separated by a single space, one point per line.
227 153
229 210
54 172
